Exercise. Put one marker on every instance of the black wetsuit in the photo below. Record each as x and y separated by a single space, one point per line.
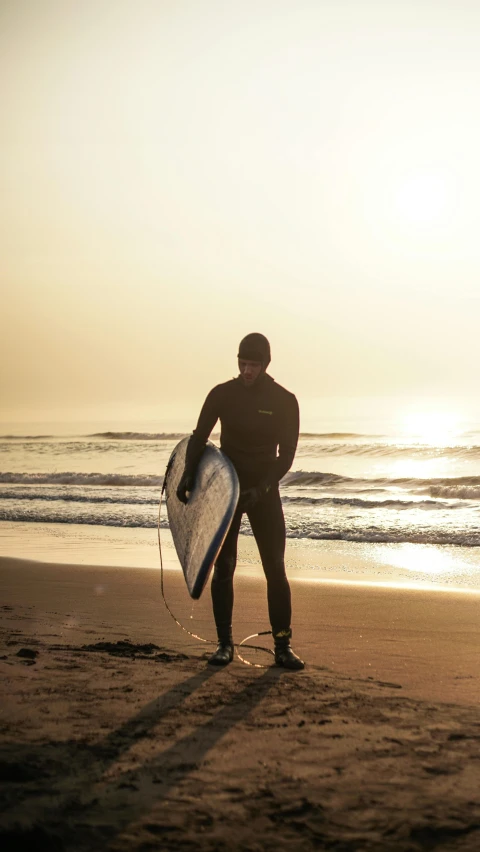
259 433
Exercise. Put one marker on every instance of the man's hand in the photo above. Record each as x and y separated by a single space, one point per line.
251 496
185 486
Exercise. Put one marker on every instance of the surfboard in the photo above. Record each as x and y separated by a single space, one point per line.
199 527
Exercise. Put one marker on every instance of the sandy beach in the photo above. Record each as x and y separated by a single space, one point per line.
116 735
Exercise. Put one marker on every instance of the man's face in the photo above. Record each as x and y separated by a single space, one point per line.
249 371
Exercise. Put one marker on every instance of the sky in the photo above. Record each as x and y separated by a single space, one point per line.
178 173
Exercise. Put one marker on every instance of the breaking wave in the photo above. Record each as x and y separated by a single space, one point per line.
143 517
140 497
458 492
358 503
460 487
109 479
108 518
456 488
401 536
45 494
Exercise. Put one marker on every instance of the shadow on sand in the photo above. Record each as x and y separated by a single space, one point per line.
59 798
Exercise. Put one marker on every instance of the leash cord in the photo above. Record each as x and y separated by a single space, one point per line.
242 644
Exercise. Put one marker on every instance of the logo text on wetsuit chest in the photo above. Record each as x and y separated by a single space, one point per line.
262 411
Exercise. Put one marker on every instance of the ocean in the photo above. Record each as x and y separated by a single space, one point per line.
410 509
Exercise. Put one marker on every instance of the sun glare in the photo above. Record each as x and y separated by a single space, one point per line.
435 428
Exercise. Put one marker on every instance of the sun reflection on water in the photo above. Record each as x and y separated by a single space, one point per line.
425 560
411 468
436 428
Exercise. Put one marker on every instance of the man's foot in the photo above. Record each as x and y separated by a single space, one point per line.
285 657
223 655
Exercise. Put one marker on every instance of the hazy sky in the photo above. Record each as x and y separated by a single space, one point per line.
178 173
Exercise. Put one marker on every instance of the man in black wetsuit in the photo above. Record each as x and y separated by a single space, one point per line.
258 418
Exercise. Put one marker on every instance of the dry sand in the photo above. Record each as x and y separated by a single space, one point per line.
117 736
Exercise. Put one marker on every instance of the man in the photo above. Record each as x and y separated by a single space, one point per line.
259 433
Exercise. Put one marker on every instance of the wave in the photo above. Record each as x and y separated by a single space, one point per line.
305 477
92 441
109 479
357 502
458 492
456 538
96 496
322 444
459 488
463 487
167 436
312 531
411 451
328 436
102 436
139 436
25 437
312 478
33 515
79 497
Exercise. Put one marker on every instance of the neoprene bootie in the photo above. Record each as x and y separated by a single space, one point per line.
223 655
224 652
284 656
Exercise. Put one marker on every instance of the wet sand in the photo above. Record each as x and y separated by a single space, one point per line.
116 735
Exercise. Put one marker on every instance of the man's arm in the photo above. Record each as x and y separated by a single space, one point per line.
196 445
206 421
287 445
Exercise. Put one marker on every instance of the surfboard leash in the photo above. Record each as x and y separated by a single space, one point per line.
255 648
200 638
185 629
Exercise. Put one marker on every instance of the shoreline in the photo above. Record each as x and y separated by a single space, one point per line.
403 566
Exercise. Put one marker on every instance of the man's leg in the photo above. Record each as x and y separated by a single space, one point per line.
222 594
268 527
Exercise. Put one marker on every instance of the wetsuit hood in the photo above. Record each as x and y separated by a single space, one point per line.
255 347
